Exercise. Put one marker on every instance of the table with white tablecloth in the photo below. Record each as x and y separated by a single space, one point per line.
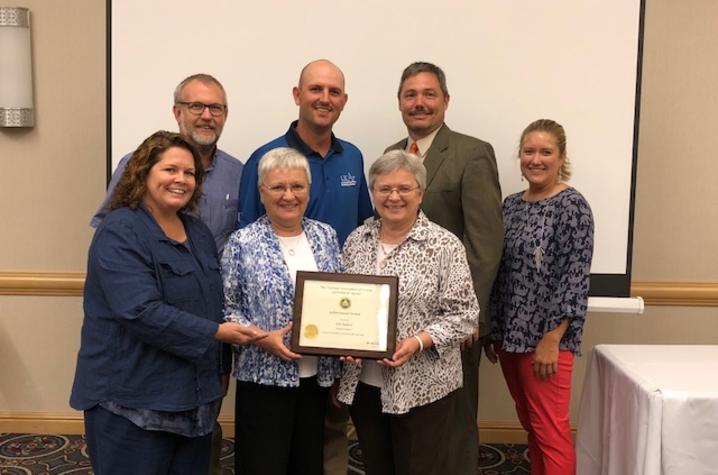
649 410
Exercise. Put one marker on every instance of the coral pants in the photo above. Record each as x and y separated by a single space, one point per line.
542 407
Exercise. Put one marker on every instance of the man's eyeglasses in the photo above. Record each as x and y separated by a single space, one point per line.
295 188
197 108
403 190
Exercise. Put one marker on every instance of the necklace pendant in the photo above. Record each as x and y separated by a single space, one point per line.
538 257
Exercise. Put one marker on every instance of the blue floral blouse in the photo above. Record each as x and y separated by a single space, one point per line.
544 272
258 290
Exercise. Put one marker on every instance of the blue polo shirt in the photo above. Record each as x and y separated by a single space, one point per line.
339 194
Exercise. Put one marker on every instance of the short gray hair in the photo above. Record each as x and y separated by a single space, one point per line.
398 160
201 77
282 157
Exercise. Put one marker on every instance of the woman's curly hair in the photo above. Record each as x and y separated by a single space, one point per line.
131 189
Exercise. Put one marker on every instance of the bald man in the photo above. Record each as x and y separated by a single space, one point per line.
339 194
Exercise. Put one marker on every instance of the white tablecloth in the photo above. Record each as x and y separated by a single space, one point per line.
649 409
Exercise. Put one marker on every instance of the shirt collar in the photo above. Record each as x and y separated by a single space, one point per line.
155 228
419 232
294 141
423 143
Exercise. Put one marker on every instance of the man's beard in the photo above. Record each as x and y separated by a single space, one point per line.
203 140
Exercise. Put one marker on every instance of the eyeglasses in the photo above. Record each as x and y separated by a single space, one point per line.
403 190
197 108
280 189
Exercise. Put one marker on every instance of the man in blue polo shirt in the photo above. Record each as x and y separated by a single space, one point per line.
339 194
200 108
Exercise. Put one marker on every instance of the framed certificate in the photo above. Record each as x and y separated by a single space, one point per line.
345 315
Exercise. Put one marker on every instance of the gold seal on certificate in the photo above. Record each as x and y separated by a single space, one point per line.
345 314
310 331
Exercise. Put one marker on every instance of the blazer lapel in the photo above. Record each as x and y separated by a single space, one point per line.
400 145
437 153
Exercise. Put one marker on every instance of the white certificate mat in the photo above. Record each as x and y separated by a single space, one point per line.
345 314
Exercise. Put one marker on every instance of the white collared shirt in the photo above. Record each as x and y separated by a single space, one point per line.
423 143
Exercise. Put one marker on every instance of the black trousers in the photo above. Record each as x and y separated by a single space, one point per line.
116 446
215 459
464 429
280 431
415 443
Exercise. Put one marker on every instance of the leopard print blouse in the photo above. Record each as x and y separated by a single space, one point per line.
436 295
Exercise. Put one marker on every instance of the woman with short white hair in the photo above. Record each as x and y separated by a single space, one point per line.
281 396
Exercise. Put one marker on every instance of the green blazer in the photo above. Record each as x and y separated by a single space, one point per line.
463 195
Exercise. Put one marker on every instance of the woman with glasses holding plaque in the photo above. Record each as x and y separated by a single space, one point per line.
150 369
400 405
281 396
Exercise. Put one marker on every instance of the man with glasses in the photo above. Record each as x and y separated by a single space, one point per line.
200 108
462 195
339 194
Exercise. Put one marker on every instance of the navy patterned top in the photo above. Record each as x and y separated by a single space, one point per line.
544 273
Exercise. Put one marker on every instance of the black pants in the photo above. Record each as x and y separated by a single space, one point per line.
116 446
464 429
280 431
415 443
215 458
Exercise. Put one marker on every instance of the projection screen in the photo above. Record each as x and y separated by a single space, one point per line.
507 64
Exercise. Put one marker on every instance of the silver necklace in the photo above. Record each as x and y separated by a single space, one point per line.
538 253
290 243
384 255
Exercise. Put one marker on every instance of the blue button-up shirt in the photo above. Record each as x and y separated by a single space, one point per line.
219 201
152 308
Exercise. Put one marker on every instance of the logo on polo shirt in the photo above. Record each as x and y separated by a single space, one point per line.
348 180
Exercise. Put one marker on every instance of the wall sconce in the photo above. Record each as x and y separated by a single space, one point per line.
16 107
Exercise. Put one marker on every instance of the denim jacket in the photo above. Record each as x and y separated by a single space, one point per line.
152 309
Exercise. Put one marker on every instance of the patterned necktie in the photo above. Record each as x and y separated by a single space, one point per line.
413 148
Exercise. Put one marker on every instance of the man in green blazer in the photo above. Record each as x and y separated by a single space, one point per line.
464 196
